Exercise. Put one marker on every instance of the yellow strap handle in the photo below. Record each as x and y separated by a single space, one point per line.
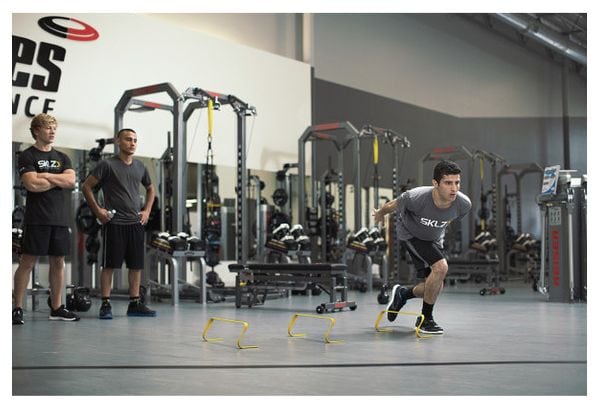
375 149
210 110
482 167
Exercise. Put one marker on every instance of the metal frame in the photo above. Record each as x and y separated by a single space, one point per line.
241 110
181 113
494 160
340 141
518 171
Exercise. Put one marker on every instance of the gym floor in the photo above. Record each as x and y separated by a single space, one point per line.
512 344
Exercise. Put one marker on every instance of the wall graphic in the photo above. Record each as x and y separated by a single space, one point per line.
77 66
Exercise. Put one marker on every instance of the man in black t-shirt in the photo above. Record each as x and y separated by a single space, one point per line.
46 174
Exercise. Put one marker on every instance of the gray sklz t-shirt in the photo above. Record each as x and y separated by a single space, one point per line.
419 217
120 185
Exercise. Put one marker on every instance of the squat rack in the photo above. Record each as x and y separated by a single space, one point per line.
181 113
344 134
397 142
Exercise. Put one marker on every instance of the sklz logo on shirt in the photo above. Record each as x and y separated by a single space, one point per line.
433 223
48 164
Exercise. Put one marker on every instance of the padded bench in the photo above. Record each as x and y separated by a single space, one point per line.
331 278
464 268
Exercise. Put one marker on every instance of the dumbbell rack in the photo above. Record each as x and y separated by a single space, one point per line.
177 261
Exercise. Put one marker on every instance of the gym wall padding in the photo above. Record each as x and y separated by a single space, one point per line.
136 50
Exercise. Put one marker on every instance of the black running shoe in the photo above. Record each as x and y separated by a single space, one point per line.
63 314
17 316
429 327
396 303
137 308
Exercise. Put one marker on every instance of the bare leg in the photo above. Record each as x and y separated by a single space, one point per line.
106 282
134 282
56 280
434 282
22 274
429 289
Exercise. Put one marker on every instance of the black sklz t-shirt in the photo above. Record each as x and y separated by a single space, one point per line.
48 207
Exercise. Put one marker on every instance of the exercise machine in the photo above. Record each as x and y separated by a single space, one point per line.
505 233
370 233
331 278
182 105
341 135
562 203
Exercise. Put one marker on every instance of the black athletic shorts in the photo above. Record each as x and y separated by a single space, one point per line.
123 243
423 254
43 240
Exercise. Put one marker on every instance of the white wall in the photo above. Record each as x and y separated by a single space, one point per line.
274 33
136 50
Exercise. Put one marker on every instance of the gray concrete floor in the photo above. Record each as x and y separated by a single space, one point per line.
512 344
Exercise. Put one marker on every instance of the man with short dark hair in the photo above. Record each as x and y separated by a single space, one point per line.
123 219
423 216
47 174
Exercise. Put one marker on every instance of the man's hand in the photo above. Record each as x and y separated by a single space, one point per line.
143 216
378 215
103 216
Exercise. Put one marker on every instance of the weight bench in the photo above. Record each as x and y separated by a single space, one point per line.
328 277
487 267
464 268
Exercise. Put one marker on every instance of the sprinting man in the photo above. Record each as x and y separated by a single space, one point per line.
423 216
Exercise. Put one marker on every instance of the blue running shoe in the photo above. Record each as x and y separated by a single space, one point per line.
105 311
396 303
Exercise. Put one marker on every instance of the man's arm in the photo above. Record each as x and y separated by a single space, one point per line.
87 188
379 213
145 213
66 179
34 183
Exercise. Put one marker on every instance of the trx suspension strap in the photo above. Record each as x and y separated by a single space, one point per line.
375 151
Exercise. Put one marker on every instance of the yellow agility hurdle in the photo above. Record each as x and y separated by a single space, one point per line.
220 319
382 313
326 335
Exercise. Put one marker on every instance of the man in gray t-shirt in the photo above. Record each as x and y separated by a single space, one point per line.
123 219
423 214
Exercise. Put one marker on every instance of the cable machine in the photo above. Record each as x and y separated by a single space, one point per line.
506 236
341 134
367 246
181 111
